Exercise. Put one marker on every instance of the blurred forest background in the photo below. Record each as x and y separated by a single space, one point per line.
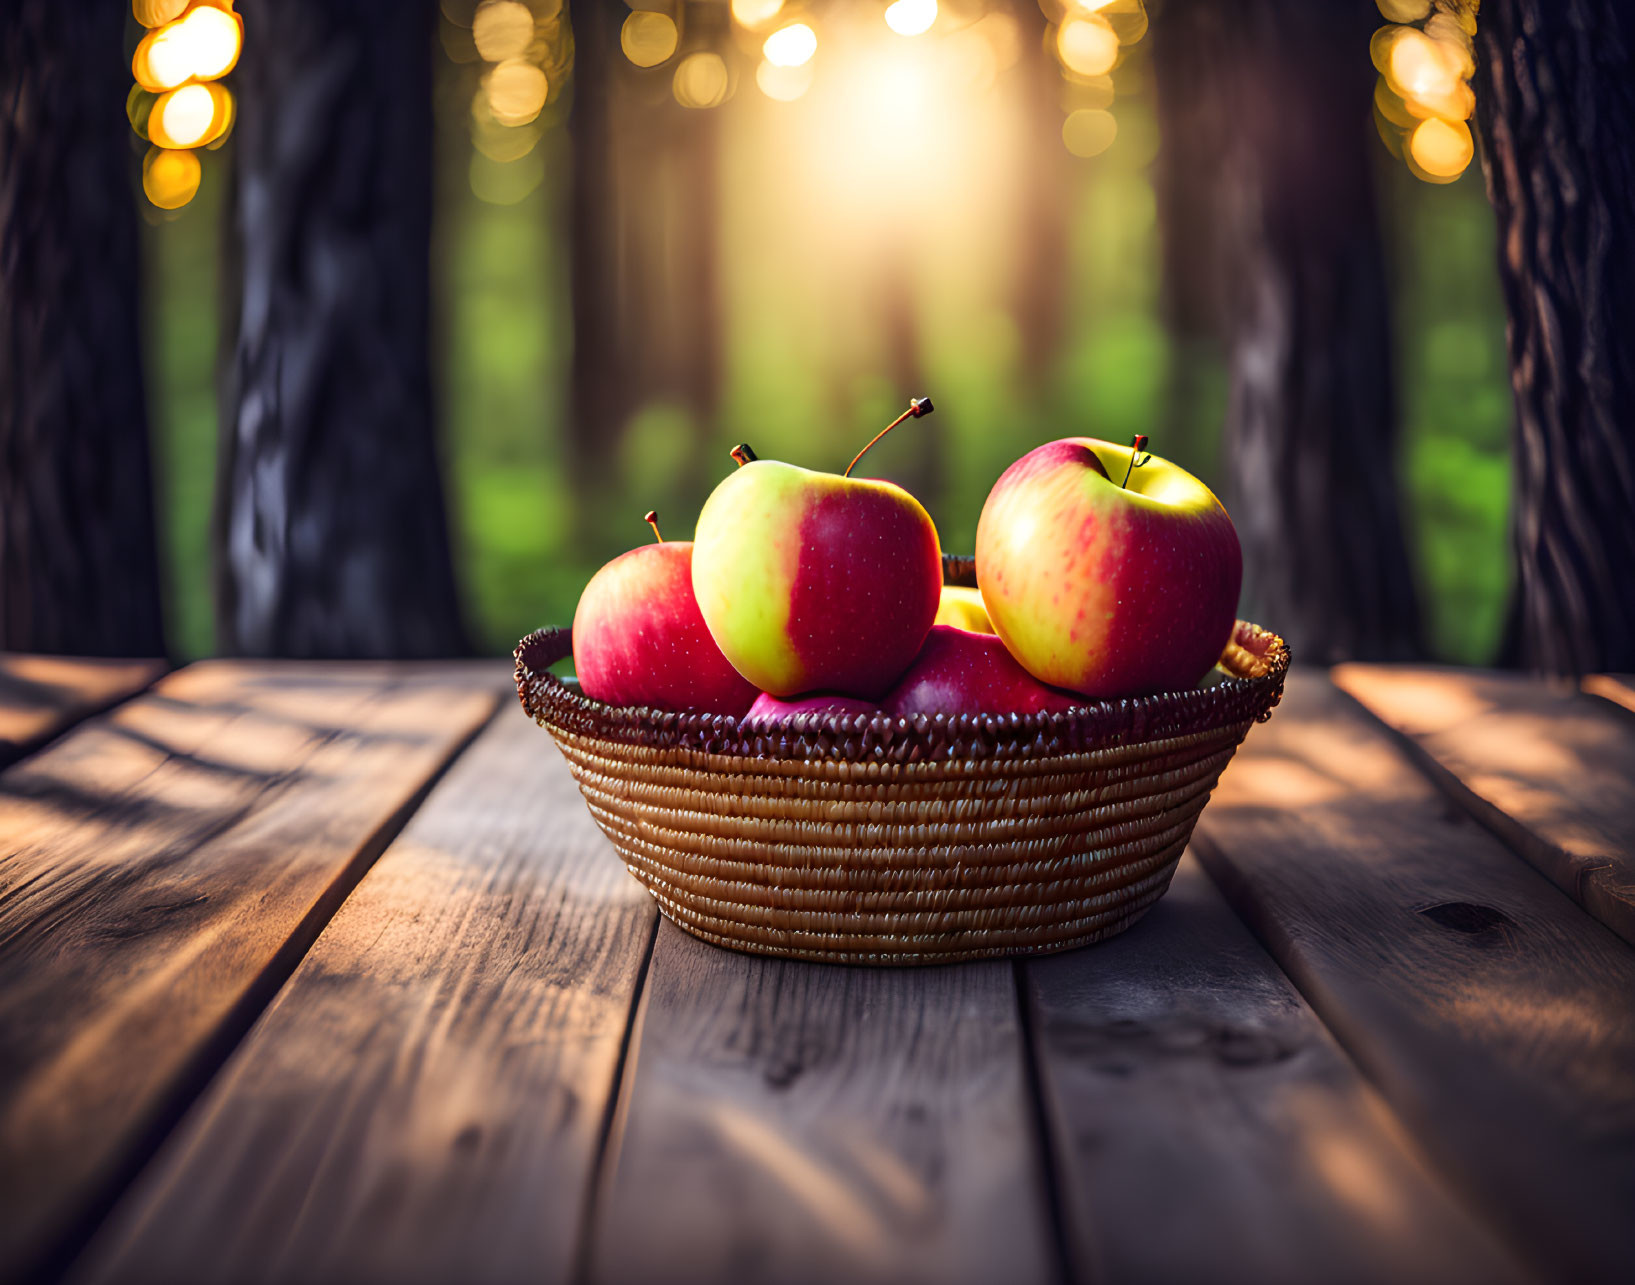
788 273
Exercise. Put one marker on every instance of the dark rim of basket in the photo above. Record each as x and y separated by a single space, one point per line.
1098 724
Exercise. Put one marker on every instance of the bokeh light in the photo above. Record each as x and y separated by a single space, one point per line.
155 13
790 46
911 17
188 117
1442 149
1419 67
170 179
1425 57
648 38
1087 45
756 13
502 29
702 80
1089 131
175 103
1405 10
516 91
202 45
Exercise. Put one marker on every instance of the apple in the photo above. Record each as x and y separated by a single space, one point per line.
816 581
774 709
961 672
962 608
1104 576
640 639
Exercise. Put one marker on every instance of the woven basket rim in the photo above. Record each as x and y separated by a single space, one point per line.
1258 658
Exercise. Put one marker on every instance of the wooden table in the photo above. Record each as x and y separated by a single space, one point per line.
317 973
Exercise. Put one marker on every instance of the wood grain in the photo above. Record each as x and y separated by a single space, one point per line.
1493 1014
1207 1127
43 696
425 1099
1548 769
789 1122
164 868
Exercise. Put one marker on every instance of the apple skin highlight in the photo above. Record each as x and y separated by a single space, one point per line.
816 582
640 639
1106 590
962 672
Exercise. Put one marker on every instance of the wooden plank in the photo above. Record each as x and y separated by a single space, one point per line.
425 1099
1207 1127
1548 769
1492 1013
43 696
804 1122
164 868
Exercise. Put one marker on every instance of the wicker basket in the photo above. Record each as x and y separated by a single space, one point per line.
876 840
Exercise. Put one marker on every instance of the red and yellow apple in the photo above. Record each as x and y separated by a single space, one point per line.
814 581
639 638
961 672
962 608
1104 588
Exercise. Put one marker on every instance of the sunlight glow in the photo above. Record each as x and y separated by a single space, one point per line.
911 17
785 84
790 46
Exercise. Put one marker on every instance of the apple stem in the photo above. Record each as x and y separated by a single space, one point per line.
1138 443
743 454
917 406
651 517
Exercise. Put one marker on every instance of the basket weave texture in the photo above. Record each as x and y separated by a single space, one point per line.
876 840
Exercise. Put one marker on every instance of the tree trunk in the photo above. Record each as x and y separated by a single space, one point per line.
1555 98
1310 432
331 535
79 568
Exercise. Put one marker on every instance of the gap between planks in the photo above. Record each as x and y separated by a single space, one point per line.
1548 769
427 1097
1491 1012
168 864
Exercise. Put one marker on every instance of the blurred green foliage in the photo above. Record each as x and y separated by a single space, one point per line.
1454 390
181 264
800 386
